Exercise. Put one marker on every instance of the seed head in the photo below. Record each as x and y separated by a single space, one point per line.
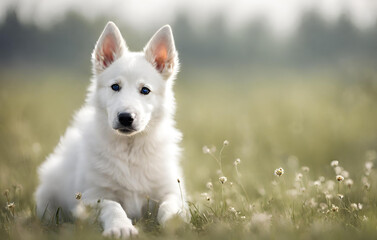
279 172
78 196
223 179
339 178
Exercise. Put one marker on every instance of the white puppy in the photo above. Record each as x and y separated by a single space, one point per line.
122 147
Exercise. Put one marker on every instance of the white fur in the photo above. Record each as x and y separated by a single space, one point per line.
122 170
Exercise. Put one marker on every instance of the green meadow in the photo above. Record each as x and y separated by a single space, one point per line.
301 123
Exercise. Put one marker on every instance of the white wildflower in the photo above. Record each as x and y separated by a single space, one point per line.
226 143
360 206
233 210
349 183
305 169
317 183
206 150
323 206
223 179
345 174
339 178
209 185
237 162
368 165
298 177
328 196
353 206
334 163
334 208
338 170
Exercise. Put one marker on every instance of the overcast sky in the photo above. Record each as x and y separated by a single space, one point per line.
281 15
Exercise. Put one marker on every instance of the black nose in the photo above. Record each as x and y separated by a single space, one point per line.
126 119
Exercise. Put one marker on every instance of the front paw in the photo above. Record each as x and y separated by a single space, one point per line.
120 231
167 212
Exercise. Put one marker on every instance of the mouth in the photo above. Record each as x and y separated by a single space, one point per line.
126 131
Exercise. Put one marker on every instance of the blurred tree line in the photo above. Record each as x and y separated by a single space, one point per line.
315 45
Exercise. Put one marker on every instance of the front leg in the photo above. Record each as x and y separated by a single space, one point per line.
115 221
112 216
171 206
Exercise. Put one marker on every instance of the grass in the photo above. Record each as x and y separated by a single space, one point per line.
290 123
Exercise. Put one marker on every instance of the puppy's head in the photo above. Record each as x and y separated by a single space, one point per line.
133 88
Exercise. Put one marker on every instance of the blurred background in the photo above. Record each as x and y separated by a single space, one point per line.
287 83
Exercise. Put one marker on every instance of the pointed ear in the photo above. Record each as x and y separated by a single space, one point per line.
109 47
160 52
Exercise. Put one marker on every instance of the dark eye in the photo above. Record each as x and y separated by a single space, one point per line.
145 91
115 87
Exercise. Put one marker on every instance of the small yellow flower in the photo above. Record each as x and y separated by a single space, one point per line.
279 172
